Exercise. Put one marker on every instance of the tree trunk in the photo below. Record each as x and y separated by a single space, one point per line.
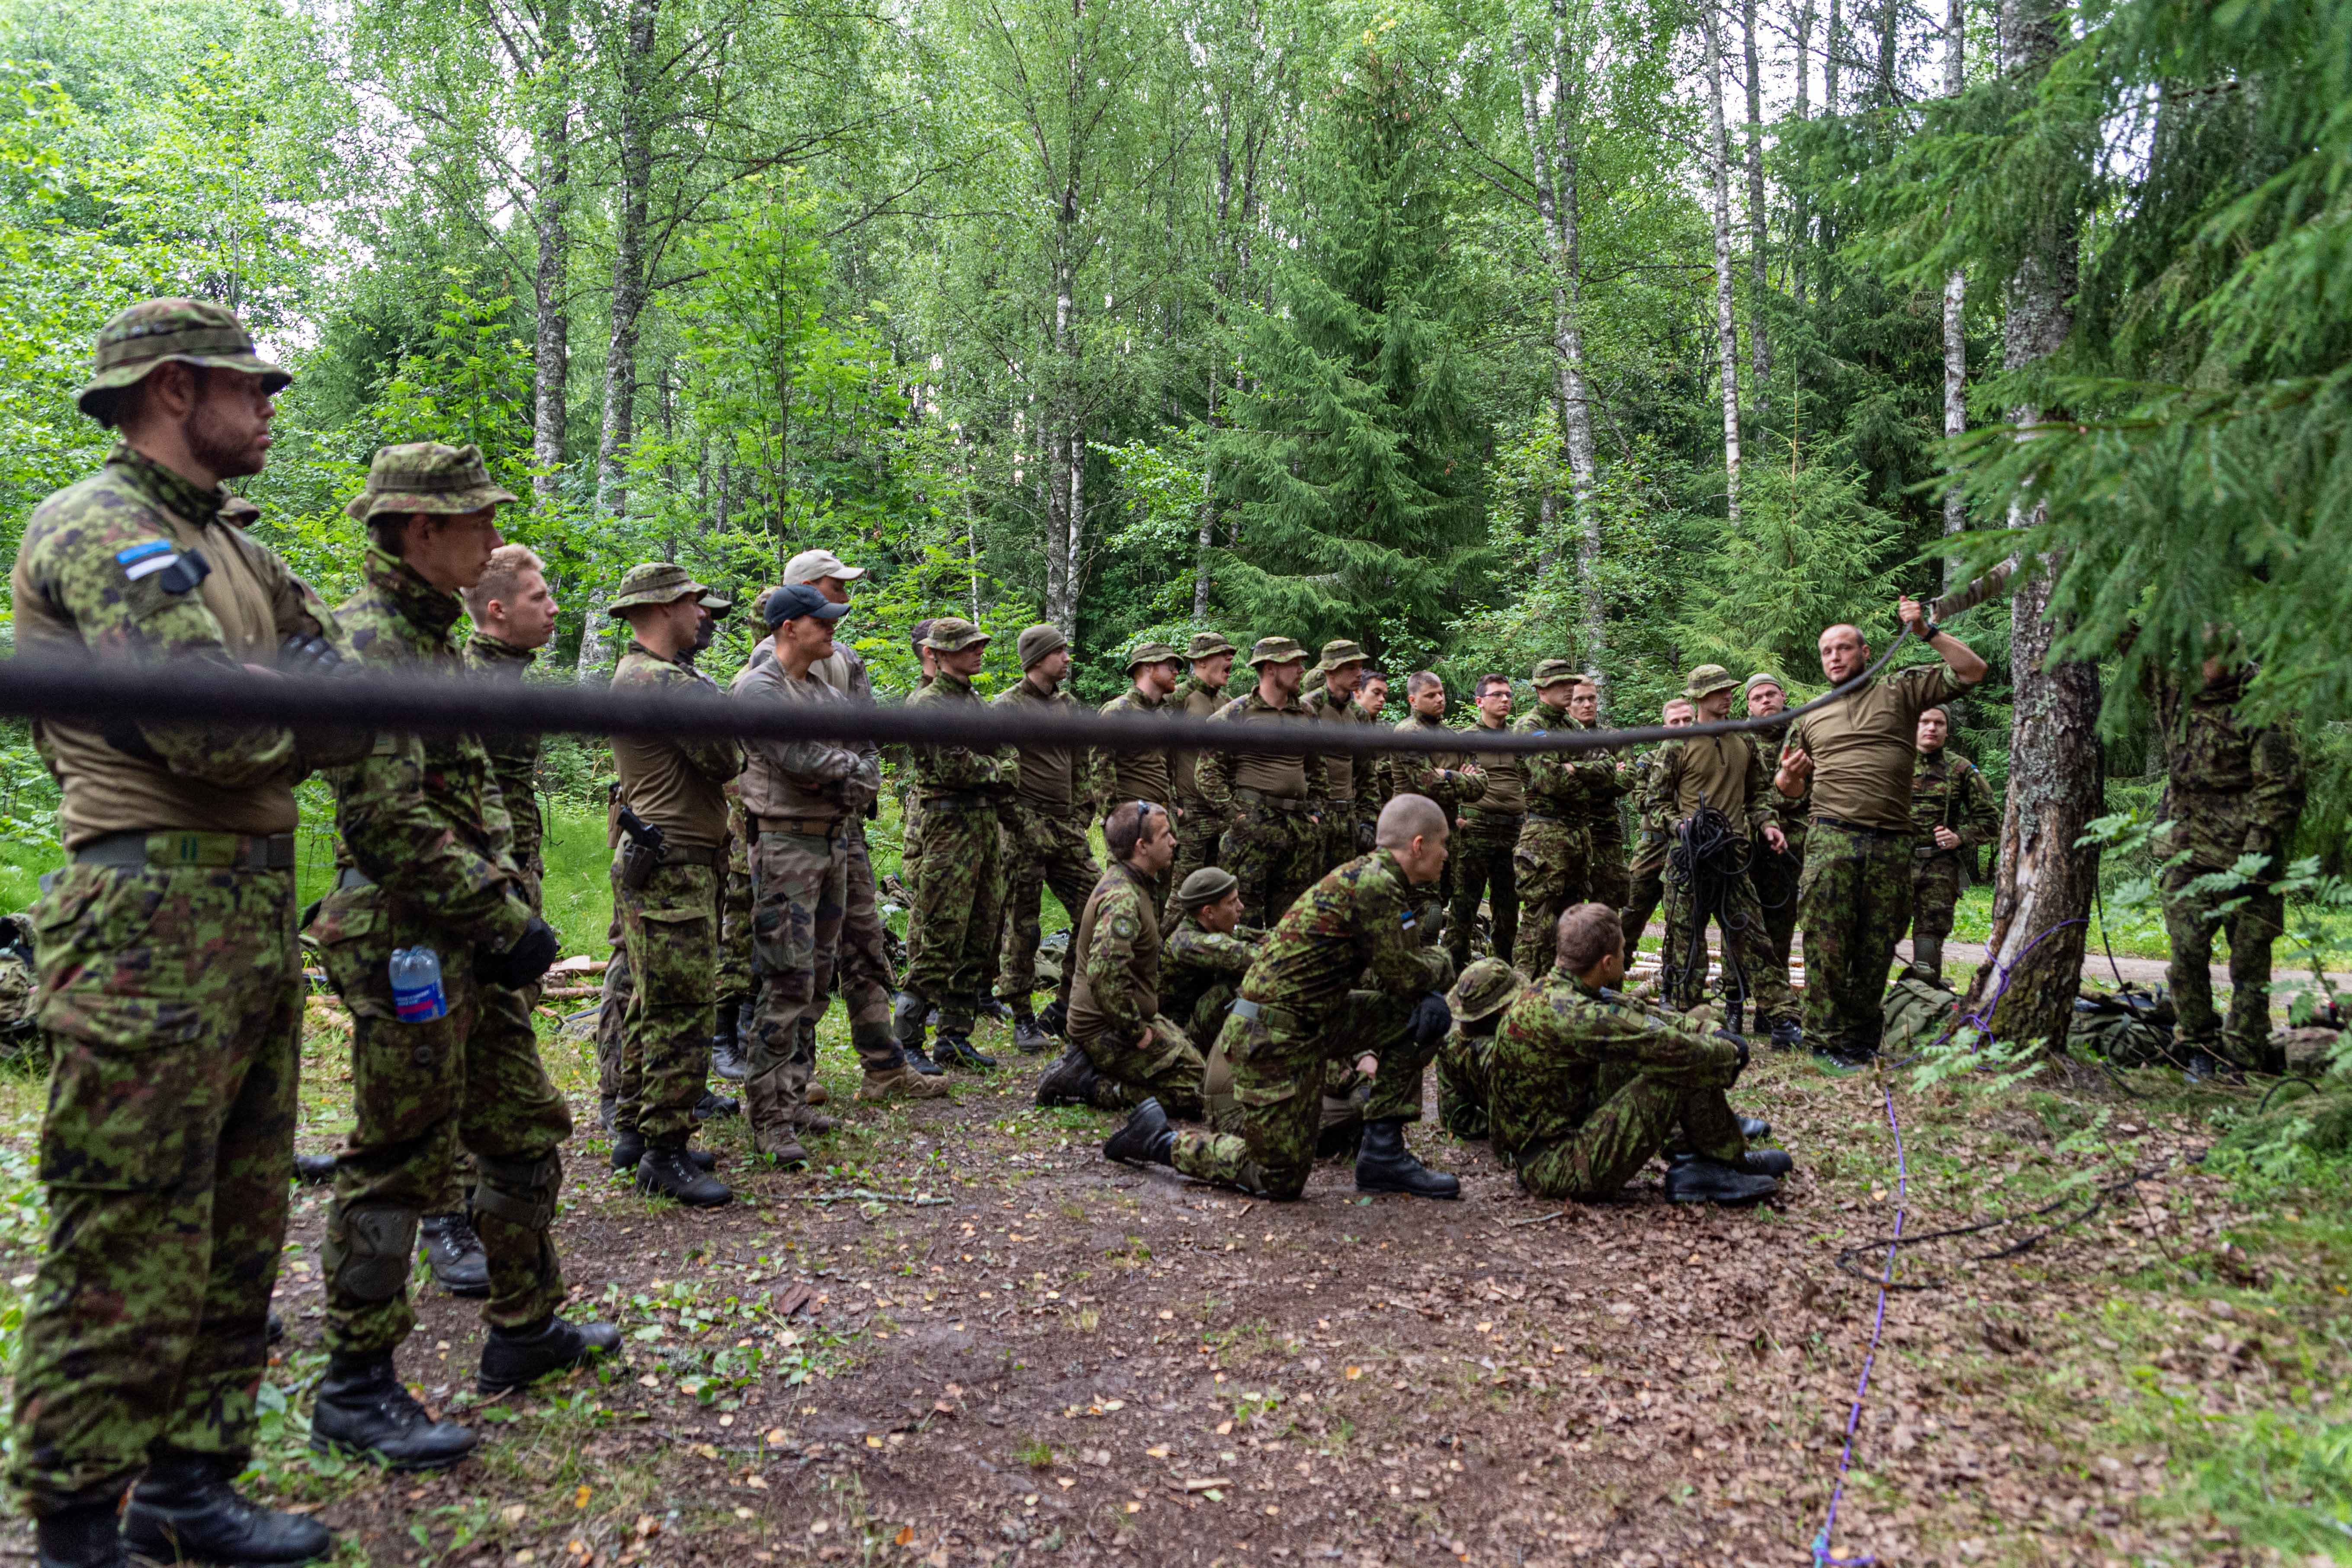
550 215
2042 898
1727 323
1208 535
1759 343
1065 615
1890 19
1800 222
1832 49
1956 296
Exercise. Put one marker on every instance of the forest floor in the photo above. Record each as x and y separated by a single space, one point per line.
1045 1357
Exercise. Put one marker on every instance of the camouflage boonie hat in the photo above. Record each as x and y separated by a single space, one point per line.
158 331
1205 886
17 984
952 634
1151 653
425 476
1708 677
1339 651
1553 671
1276 650
1486 987
654 583
1208 644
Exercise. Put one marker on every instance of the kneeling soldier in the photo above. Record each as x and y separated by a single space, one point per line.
1201 962
1477 1001
1585 1086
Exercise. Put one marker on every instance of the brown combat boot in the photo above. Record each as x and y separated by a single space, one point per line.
898 1083
772 1115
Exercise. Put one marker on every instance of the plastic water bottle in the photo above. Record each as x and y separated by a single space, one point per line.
416 986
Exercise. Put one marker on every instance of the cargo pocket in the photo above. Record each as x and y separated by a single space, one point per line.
355 958
674 959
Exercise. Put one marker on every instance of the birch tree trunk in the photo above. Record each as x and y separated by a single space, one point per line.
1955 298
2042 898
1759 342
1799 220
551 221
1832 51
1208 535
1727 324
1061 533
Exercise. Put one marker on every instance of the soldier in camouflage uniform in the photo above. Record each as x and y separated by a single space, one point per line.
1045 835
911 800
1201 962
737 972
1646 871
20 1039
1587 1087
1953 812
1487 837
1271 834
964 793
1148 775
170 981
1477 1001
2231 789
1553 863
1199 825
1342 975
1608 878
1776 874
427 862
1347 810
1452 778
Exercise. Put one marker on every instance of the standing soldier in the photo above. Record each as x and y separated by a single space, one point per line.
1341 975
1776 874
171 982
1147 773
1858 752
1711 792
1952 810
1489 838
1046 835
1347 776
1647 870
1199 825
670 894
428 882
1372 695
1451 778
1553 862
1607 879
2230 789
910 810
963 792
1267 798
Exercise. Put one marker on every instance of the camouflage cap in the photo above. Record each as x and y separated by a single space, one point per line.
1208 644
654 583
953 634
1486 987
1035 642
1152 652
1553 671
1205 886
158 331
1708 677
1339 651
425 476
1276 650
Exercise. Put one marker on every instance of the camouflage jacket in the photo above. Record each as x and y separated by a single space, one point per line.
421 816
1556 1041
2237 789
957 770
514 754
1351 931
1114 955
1147 775
1792 813
1568 784
1192 960
1947 791
1222 771
1436 774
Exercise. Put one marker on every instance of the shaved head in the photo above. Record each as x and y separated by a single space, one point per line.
1408 817
1843 653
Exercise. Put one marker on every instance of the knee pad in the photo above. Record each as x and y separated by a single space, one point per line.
521 1192
372 1263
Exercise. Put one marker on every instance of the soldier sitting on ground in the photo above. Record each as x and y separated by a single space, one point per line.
1478 1000
1586 1087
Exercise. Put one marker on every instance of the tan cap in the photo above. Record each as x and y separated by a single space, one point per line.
1035 642
1339 651
1152 652
815 565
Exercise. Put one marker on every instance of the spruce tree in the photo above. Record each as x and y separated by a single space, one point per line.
1353 467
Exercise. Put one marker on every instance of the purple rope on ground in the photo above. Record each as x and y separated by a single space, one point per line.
1822 1557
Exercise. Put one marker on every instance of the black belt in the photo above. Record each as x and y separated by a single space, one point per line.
799 827
1867 832
169 847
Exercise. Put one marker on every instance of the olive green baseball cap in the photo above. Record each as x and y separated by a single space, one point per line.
1151 653
654 583
1486 987
1339 651
1276 650
428 477
1205 886
1208 644
1707 678
159 332
952 634
1554 672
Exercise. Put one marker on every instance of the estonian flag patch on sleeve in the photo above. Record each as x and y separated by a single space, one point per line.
145 558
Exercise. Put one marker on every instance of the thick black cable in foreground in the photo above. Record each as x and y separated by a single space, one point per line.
92 692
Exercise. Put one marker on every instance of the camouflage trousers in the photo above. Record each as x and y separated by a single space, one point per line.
1273 853
1641 1108
1607 881
1554 867
1044 851
951 930
1278 1082
1854 904
1462 1094
2252 927
1935 895
1482 863
862 973
1645 890
1746 944
1170 1069
802 883
1347 824
1777 877
172 1003
669 933
1205 1019
1346 1092
476 1069
1198 833
735 980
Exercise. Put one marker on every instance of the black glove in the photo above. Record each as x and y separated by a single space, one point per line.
298 655
523 962
1431 1019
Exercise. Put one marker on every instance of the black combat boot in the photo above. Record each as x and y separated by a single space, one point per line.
276 1330
1788 1034
364 1413
629 1150
184 1510
455 1252
1055 1019
1028 1037
81 1535
1383 1164
314 1169
908 1013
512 1357
714 1105
1774 1162
1713 1182
956 1049
727 1059
1753 1131
1144 1138
1927 958
673 1173
1069 1081
607 1108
